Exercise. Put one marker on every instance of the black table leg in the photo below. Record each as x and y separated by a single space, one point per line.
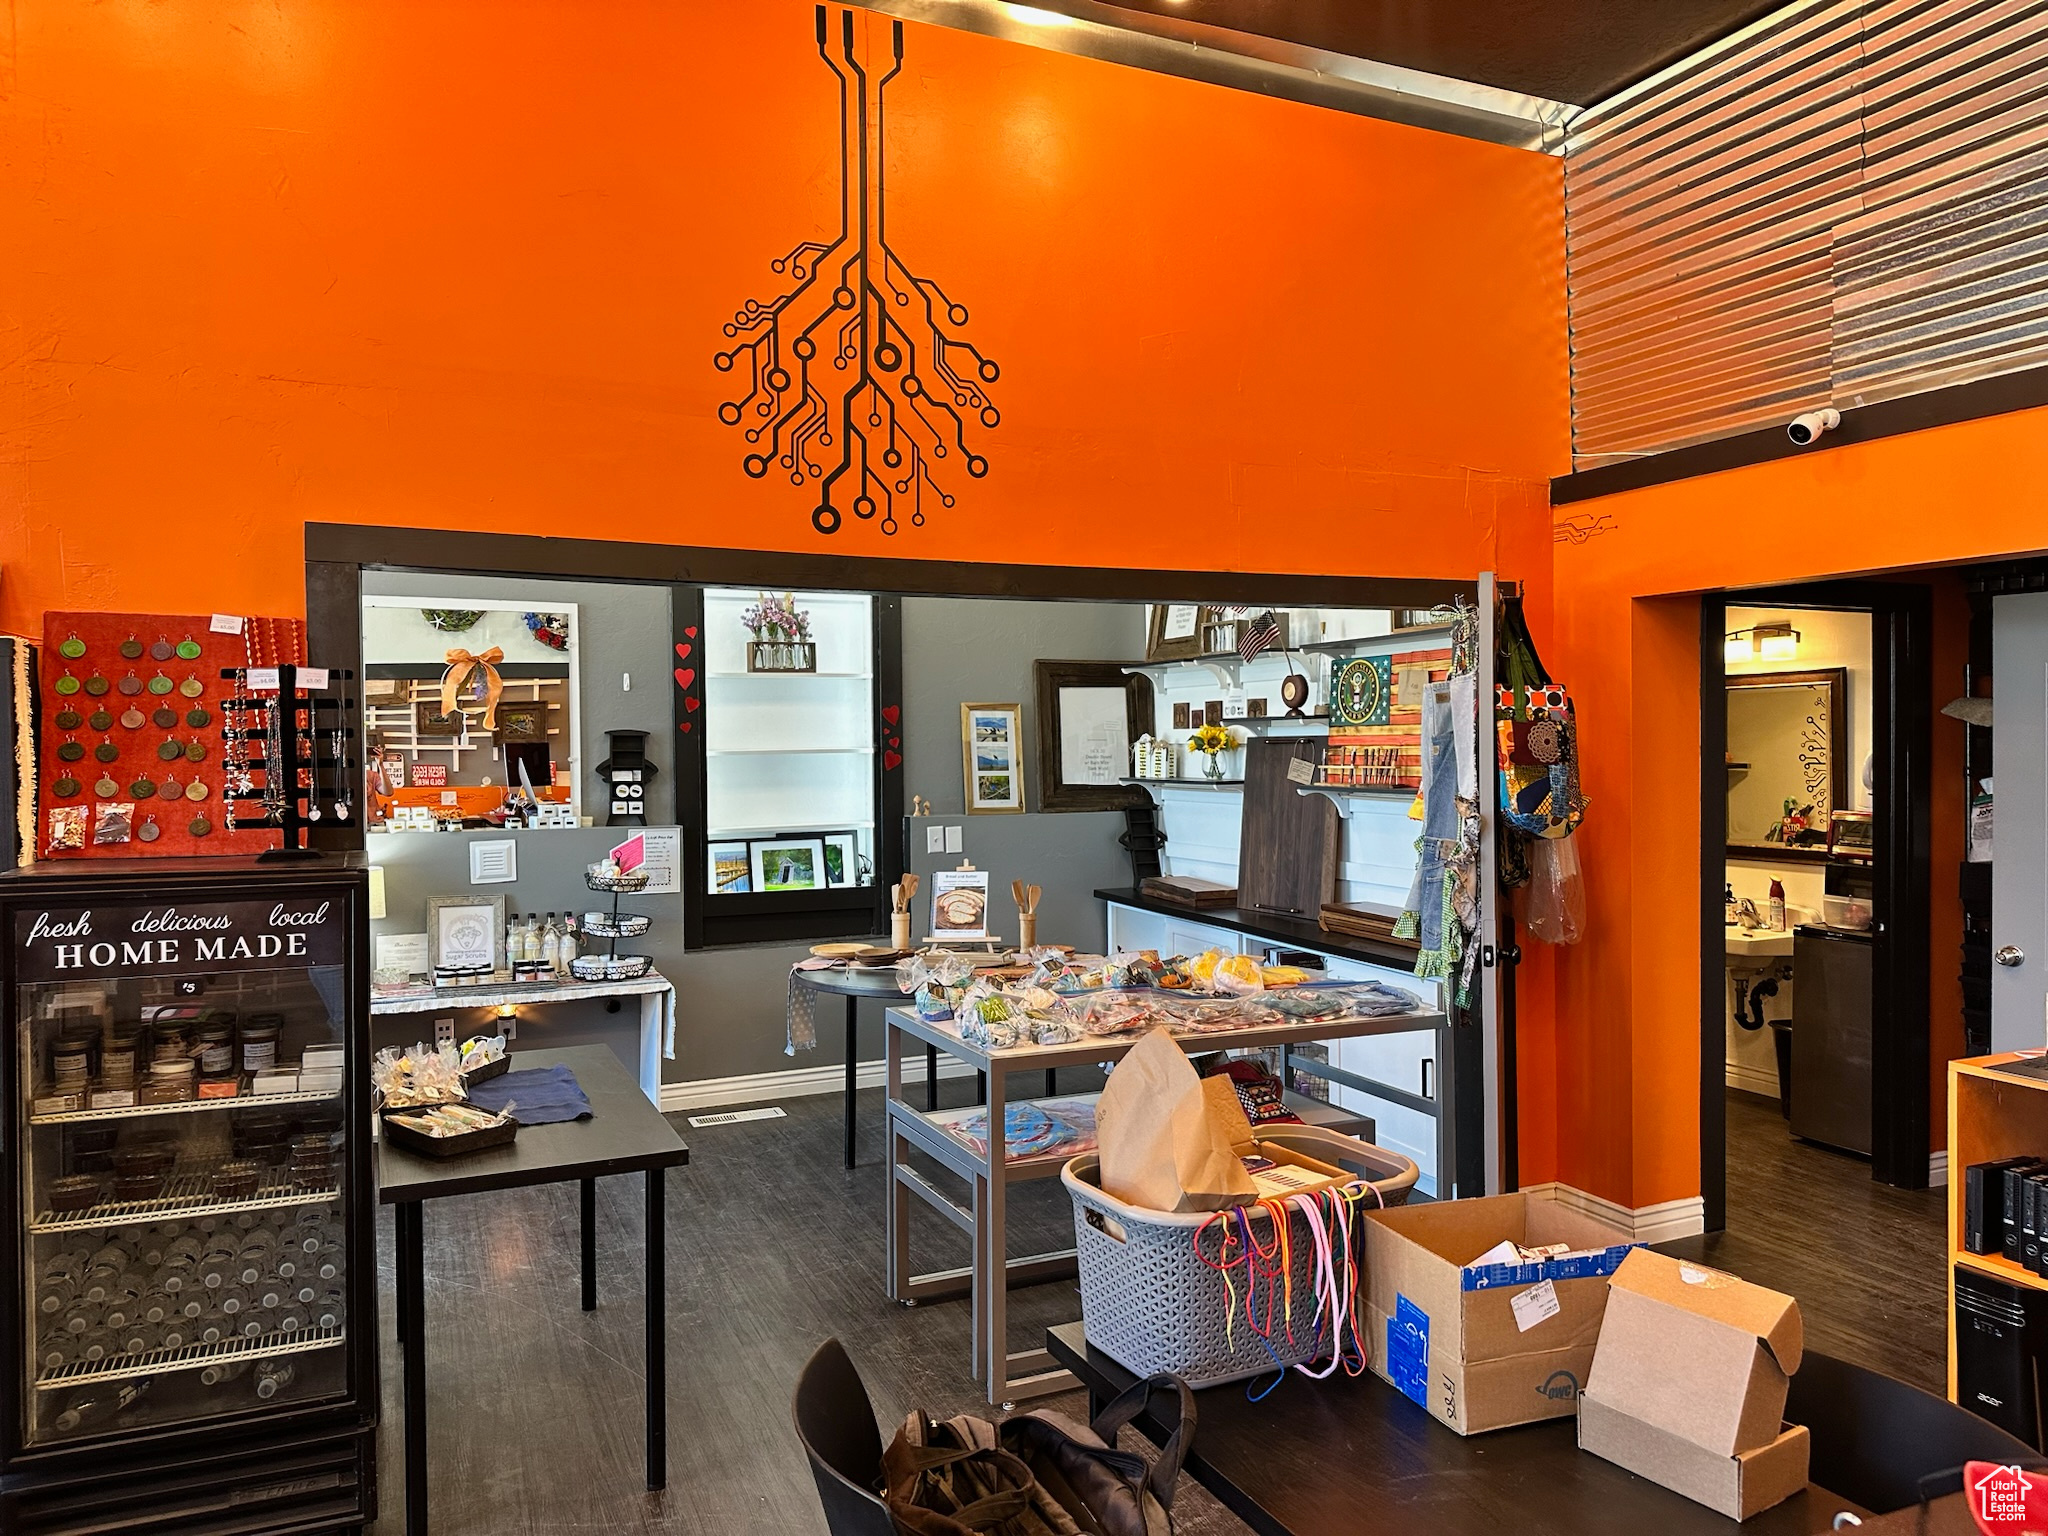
412 1305
852 1068
931 1077
657 1333
1051 1082
589 1204
981 1087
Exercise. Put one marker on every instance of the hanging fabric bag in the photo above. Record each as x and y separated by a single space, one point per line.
1537 735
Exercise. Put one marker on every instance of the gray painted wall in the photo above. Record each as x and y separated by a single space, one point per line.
730 1019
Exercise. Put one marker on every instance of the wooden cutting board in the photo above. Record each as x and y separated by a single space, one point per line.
1287 841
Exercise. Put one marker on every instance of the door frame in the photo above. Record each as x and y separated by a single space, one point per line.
1902 745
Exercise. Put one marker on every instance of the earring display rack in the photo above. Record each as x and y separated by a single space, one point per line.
287 726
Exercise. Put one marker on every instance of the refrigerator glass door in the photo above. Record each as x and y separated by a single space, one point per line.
184 1253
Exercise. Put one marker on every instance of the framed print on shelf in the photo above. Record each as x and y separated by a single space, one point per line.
429 724
1175 633
1089 714
732 871
523 723
466 933
787 863
842 861
992 758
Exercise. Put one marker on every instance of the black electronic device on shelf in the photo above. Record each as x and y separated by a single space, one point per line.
189 1341
279 736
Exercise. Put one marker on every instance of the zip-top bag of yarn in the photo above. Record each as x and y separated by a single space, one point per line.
1538 737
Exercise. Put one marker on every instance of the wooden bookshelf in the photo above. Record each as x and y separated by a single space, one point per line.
1991 1115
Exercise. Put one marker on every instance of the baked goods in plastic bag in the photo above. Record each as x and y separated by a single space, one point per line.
114 822
1237 975
67 829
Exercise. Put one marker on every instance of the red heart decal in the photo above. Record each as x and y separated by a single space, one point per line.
895 742
686 725
690 630
682 651
891 761
691 701
686 675
891 712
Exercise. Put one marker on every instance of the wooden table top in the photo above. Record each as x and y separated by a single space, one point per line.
1351 1454
625 1134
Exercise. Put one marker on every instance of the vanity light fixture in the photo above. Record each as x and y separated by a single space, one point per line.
1764 642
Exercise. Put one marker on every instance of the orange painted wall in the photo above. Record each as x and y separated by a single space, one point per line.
464 265
1629 649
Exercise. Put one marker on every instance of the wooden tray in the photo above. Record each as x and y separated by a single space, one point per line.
445 1146
489 1070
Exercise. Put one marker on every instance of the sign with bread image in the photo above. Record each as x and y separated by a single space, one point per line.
960 904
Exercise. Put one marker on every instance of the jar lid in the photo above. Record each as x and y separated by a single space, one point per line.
176 1066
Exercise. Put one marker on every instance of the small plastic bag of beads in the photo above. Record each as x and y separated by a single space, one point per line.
67 828
115 822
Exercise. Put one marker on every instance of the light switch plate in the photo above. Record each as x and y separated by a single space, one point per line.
953 840
934 839
494 863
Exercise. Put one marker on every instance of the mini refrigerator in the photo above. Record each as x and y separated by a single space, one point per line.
189 1342
1831 978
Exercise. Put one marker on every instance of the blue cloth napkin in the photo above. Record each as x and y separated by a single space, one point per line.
538 1096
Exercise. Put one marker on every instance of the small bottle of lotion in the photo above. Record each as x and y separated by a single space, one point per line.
1778 905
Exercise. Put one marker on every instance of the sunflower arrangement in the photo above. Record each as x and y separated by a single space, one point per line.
1212 741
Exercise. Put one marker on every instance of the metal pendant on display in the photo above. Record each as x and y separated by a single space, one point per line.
71 647
188 649
100 719
133 718
165 718
67 685
105 787
196 790
130 685
65 787
191 688
132 648
70 751
160 684
143 787
69 720
199 826
199 716
195 751
106 752
149 831
171 789
97 685
163 650
170 751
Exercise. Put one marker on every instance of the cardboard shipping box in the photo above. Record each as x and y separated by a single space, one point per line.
1689 1382
1483 1346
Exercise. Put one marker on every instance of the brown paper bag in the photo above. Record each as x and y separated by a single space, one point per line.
1159 1146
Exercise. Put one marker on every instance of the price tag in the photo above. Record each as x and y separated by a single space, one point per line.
1534 1305
263 677
226 624
1301 771
313 677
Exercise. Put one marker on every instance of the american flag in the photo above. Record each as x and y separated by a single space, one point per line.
1258 635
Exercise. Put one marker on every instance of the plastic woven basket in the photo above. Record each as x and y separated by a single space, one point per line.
1151 1305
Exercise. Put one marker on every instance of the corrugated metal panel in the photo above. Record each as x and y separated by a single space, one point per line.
1839 203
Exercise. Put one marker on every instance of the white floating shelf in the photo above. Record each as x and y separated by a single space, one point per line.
723 674
788 751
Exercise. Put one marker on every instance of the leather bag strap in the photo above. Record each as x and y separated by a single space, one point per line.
1165 1470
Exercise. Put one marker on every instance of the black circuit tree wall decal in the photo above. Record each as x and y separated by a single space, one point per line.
858 377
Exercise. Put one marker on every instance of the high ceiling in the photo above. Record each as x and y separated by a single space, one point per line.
1573 51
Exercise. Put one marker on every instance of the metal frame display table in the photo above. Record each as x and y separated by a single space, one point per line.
1352 1454
656 992
988 1174
625 1134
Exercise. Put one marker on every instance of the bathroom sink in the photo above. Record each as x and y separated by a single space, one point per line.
1758 943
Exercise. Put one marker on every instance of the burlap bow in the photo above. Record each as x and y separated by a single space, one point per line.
460 665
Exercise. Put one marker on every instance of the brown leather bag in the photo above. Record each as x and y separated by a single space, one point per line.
1036 1474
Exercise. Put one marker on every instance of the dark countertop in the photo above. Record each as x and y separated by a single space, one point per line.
625 1134
1296 933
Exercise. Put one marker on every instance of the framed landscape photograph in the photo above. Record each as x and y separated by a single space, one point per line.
429 724
992 758
787 864
732 871
522 723
842 860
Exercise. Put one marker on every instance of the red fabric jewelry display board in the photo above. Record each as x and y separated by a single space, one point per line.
131 716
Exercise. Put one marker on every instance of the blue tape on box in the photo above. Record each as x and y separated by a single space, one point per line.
1580 1266
1408 1351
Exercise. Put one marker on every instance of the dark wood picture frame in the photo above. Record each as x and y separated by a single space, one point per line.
521 722
1159 648
1048 678
1836 680
428 723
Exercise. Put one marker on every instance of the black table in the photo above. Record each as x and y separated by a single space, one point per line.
1351 1454
625 1134
853 986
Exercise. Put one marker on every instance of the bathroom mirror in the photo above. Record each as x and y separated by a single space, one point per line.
1786 743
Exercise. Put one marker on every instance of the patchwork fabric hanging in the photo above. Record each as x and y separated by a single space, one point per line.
1537 732
1442 910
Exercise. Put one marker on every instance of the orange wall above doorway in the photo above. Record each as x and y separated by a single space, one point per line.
464 265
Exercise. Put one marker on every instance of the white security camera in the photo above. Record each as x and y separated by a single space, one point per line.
1806 428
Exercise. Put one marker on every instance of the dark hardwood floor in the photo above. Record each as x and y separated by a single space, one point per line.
1864 1259
535 1406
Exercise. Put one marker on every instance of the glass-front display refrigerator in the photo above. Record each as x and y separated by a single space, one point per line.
189 1339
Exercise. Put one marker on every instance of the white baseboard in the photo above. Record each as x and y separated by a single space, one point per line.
1747 1079
796 1083
1646 1224
1937 1171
